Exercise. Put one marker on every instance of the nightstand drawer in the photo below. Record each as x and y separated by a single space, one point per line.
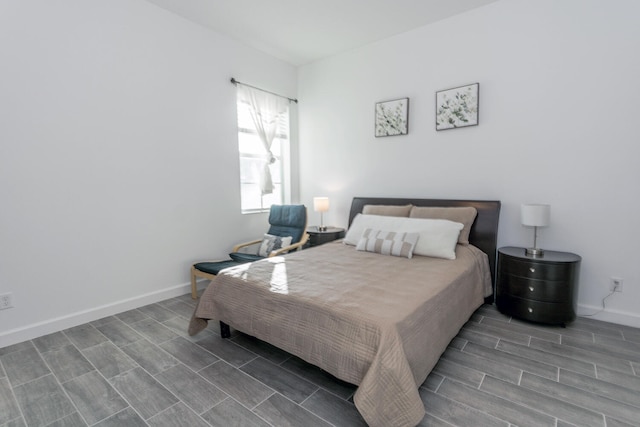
535 270
539 290
536 311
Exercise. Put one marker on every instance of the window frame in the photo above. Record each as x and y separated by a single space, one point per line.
281 152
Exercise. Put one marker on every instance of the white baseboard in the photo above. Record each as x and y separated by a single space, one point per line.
609 315
39 329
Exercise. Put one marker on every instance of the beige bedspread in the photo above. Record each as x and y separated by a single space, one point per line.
377 321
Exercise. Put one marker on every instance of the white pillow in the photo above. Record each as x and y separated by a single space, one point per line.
272 243
437 237
388 242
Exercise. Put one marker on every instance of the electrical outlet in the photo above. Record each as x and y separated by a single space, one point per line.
616 284
5 301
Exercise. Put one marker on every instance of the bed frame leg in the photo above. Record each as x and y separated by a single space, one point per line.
225 330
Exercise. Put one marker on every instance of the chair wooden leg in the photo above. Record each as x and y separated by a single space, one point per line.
194 289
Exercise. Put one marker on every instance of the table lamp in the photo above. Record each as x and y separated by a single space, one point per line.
535 215
321 204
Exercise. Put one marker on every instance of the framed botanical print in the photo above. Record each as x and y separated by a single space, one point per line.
392 117
457 107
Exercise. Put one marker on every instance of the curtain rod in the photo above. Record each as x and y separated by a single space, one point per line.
235 82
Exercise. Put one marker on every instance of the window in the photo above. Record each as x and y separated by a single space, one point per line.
264 171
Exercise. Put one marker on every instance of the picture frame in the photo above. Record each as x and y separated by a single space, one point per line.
457 107
392 117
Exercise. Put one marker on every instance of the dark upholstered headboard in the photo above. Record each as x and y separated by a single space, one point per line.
484 232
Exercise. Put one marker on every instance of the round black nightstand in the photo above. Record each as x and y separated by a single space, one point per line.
539 289
319 237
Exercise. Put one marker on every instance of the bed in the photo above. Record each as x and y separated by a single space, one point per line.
377 321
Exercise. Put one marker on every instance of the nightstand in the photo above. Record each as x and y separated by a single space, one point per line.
317 237
538 289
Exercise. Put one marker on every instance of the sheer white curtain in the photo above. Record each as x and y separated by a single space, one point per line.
266 112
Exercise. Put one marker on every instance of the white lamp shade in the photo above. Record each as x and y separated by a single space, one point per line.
321 204
535 215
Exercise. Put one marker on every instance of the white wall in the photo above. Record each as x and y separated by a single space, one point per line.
118 156
559 85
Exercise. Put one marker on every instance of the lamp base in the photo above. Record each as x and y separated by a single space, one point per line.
534 252
322 228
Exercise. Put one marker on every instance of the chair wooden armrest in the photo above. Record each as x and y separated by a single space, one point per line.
236 248
290 248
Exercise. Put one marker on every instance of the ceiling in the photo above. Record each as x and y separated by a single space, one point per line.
303 31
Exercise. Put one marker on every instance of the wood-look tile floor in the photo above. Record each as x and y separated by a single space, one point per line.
141 368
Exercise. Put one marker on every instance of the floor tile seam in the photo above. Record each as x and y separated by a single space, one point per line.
208 366
318 415
591 340
130 328
161 350
129 323
64 390
204 367
491 394
285 360
243 364
478 338
525 330
108 382
64 331
545 397
602 354
113 318
263 400
610 333
154 379
628 346
152 340
231 340
17 345
196 373
633 338
561 357
40 355
332 393
281 367
253 378
436 388
317 389
229 397
116 413
12 385
438 418
438 371
176 404
300 406
167 320
595 396
129 358
525 359
15 399
480 357
626 389
492 334
466 406
259 355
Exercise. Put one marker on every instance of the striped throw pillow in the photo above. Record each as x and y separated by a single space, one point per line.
388 242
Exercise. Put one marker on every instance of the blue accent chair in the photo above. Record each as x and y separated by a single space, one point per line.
284 221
